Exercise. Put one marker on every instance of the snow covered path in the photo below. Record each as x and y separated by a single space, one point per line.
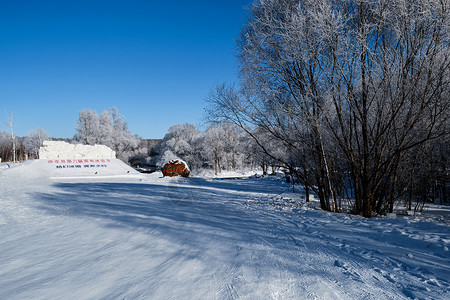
197 239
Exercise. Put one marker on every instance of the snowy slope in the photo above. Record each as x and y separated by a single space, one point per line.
161 238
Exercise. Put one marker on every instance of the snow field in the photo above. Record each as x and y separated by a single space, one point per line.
177 238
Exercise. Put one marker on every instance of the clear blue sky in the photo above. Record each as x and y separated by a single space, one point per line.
154 60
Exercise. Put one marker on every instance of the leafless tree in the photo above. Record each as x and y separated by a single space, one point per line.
13 137
349 87
33 141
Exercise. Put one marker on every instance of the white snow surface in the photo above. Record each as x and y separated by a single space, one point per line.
87 237
63 150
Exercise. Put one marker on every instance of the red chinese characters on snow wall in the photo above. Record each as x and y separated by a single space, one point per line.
77 160
79 163
175 168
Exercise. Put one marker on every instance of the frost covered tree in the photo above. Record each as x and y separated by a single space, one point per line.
214 147
348 87
223 146
88 126
13 136
273 146
235 146
110 129
105 127
5 146
121 139
182 142
34 140
8 151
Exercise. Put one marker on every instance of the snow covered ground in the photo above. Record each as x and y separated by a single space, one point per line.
147 237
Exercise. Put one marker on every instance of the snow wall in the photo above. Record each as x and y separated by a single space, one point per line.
59 149
59 159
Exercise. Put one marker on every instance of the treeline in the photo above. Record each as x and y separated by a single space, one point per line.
110 129
355 93
221 147
21 148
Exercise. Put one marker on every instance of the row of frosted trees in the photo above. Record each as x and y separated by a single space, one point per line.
221 147
110 129
20 148
355 92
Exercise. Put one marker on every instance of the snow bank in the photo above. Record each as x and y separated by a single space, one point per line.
59 149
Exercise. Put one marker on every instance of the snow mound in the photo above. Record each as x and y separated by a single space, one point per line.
60 149
58 159
63 160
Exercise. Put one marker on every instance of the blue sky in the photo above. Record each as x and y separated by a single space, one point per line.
154 60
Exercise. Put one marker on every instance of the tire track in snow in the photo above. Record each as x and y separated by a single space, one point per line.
284 229
349 266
